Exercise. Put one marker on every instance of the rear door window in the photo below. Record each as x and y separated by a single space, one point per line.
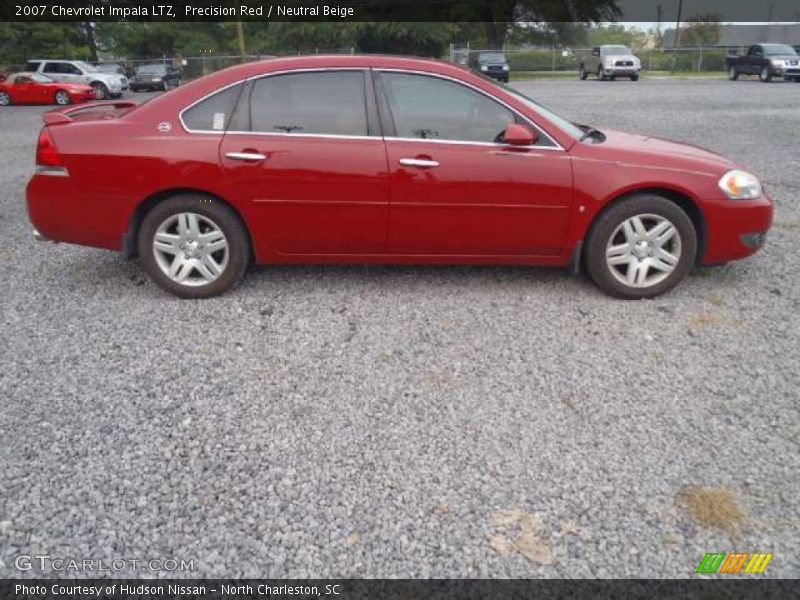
213 113
325 102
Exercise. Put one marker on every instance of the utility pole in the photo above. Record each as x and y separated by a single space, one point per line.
240 35
677 42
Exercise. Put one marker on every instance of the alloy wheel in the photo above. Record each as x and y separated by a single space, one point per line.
190 249
62 98
643 250
5 99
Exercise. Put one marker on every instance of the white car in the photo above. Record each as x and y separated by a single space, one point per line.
105 85
610 62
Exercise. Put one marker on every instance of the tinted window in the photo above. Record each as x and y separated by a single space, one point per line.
22 80
778 50
322 103
432 108
61 68
32 65
213 113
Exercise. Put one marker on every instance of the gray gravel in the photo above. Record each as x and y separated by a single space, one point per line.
375 421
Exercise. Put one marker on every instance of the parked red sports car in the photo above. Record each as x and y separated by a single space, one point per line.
33 88
379 159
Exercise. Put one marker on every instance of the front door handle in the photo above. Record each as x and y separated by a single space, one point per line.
422 163
246 156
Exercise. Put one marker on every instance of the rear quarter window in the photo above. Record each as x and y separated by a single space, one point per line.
213 113
32 65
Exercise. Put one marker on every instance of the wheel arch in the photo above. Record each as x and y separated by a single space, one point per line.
150 202
688 204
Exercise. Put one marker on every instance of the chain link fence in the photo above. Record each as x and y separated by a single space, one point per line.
690 59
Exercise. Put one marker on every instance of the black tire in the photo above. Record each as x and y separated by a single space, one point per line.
165 86
601 73
635 77
100 90
5 99
764 75
62 98
733 73
583 74
607 224
223 217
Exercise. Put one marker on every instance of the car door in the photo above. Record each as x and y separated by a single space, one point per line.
755 58
454 187
309 161
23 90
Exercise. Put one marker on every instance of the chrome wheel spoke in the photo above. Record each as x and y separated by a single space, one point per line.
190 249
643 250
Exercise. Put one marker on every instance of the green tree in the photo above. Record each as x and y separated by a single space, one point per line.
701 30
41 39
499 16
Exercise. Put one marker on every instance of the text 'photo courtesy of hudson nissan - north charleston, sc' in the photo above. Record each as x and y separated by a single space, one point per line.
375 159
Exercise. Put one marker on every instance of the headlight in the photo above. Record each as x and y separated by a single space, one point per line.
484 68
505 67
740 185
776 62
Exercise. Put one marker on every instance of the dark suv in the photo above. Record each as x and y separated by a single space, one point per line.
492 63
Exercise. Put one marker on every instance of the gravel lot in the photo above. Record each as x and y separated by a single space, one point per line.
409 421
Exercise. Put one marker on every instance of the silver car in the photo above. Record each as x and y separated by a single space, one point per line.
105 85
610 62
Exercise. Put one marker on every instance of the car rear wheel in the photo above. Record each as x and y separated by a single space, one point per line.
5 99
193 246
641 247
62 98
765 75
100 91
601 73
733 74
583 73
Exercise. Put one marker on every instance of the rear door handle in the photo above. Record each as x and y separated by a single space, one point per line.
246 156
422 163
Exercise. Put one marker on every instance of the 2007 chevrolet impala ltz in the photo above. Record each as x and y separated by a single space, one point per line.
381 159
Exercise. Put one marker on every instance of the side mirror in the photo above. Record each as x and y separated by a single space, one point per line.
518 135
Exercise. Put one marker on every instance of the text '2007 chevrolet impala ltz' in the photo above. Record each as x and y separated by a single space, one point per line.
370 159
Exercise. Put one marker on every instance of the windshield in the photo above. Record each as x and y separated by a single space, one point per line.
778 50
568 127
615 50
83 66
492 57
154 69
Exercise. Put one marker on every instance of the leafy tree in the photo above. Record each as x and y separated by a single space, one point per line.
702 30
616 34
41 39
499 16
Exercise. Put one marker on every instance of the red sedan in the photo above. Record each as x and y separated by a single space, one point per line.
33 88
366 159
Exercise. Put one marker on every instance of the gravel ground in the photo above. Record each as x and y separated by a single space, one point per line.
408 421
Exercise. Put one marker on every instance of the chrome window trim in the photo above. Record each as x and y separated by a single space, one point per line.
264 76
556 145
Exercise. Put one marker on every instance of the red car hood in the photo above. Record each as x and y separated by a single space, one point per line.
659 152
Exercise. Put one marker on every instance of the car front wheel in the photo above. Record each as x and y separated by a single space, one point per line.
765 75
193 246
641 247
733 74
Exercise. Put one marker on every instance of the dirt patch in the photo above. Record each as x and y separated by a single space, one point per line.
521 533
713 508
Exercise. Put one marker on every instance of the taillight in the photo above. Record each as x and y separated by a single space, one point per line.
46 152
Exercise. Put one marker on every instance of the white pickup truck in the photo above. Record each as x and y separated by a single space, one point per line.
105 85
